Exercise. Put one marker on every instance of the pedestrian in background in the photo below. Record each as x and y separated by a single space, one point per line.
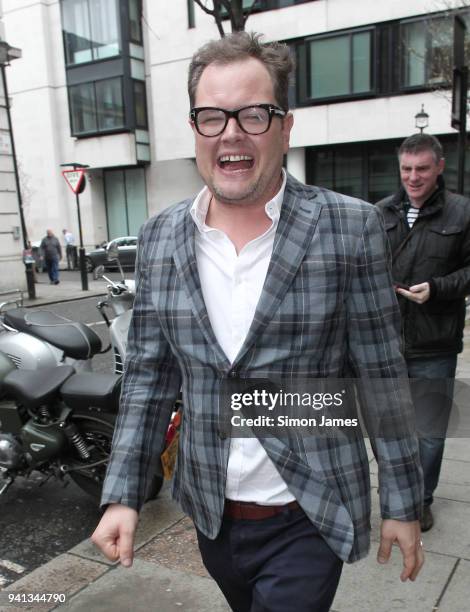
70 249
428 228
52 250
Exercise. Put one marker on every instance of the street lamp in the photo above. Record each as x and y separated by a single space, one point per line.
421 119
7 54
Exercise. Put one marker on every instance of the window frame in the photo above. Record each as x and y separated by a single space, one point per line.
265 5
306 85
141 30
137 125
98 132
426 86
92 60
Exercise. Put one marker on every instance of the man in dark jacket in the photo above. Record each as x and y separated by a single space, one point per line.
52 250
429 233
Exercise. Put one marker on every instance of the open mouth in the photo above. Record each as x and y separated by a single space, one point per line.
235 162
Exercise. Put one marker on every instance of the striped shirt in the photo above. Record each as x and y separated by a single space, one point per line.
412 215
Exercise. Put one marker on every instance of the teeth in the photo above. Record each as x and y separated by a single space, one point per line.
235 158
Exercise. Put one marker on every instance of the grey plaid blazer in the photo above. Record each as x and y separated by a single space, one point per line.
327 300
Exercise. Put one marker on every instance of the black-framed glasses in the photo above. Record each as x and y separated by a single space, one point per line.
255 119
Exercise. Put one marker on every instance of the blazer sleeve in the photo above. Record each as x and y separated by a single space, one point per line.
374 355
150 387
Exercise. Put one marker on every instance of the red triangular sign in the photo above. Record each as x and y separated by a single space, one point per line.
74 179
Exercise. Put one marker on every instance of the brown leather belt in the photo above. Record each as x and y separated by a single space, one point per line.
237 510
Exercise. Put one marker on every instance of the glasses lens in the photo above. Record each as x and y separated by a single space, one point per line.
254 119
210 122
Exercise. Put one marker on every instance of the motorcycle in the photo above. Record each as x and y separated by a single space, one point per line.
35 339
59 421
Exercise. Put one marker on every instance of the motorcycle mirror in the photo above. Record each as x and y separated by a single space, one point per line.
112 251
112 254
98 272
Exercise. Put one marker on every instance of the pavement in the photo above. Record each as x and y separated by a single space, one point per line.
68 289
167 574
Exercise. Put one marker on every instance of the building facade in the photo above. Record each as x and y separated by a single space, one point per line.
103 83
11 239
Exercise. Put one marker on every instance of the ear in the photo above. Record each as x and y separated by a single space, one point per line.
287 123
442 165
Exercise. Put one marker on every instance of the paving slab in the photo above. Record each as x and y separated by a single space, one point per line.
367 586
454 482
65 574
450 534
457 448
176 548
457 595
147 587
65 291
155 517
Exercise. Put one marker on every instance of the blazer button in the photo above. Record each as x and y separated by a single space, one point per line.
222 435
233 374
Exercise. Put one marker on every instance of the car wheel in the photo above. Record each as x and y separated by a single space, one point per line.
90 266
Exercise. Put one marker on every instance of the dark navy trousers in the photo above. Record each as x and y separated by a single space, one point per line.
278 564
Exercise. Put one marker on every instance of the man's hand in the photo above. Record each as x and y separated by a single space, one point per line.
407 534
114 535
417 293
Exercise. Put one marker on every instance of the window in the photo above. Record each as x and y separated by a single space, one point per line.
427 52
83 108
140 104
333 66
369 170
109 104
135 25
96 107
363 170
91 30
264 5
126 201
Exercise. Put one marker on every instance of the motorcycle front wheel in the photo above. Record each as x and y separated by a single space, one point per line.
96 429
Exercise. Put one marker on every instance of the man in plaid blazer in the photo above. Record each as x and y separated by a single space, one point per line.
261 276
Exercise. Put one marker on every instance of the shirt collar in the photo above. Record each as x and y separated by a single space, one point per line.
200 206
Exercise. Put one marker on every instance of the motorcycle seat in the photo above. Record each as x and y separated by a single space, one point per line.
77 340
90 390
33 388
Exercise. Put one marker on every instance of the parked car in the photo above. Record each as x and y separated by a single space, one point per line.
38 256
127 247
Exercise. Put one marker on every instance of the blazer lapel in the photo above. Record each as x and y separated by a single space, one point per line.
297 223
184 256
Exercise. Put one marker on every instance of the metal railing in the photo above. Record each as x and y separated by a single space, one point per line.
17 298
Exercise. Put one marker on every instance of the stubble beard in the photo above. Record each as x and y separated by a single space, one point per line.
250 195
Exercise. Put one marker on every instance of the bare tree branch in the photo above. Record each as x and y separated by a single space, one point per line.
215 12
232 8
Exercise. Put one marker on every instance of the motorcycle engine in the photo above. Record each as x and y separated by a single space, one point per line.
11 452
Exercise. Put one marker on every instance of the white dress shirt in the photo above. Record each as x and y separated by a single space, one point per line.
231 286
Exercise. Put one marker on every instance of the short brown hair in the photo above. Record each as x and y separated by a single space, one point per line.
238 46
417 143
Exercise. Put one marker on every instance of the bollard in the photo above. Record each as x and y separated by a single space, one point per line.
30 280
83 272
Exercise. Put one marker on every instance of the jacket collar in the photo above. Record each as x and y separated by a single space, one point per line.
299 215
400 201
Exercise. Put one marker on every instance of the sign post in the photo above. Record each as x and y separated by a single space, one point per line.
76 181
459 97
